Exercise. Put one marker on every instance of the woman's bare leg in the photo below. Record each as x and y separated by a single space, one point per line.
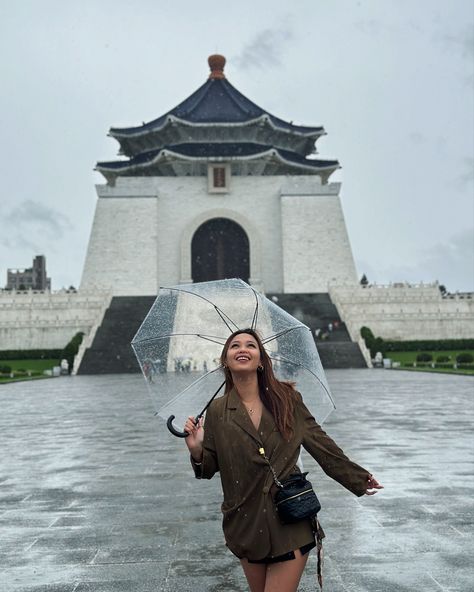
285 576
255 574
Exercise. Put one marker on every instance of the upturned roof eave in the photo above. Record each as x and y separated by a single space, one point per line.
168 119
162 154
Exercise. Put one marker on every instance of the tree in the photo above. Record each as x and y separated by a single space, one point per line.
367 336
364 281
72 348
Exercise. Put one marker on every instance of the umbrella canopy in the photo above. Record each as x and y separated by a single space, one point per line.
178 346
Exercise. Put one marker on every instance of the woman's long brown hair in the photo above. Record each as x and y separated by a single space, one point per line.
277 396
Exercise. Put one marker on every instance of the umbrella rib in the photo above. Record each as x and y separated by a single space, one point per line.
220 312
281 333
222 315
284 358
213 339
255 313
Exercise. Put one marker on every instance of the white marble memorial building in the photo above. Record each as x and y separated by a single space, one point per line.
220 188
216 188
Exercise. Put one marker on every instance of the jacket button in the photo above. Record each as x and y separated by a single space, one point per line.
266 489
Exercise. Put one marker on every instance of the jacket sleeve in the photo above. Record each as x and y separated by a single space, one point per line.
209 465
328 455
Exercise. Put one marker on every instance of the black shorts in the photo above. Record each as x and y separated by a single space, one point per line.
286 556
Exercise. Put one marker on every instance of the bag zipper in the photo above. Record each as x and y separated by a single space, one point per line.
293 496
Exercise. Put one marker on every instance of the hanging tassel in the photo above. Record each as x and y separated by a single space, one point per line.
319 534
319 550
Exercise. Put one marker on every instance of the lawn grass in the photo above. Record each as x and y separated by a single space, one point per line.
37 367
33 365
7 379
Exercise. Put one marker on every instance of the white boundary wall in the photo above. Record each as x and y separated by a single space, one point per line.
405 311
37 320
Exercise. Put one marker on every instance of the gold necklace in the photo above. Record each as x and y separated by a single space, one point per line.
250 409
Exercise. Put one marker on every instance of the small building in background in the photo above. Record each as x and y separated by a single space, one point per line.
31 278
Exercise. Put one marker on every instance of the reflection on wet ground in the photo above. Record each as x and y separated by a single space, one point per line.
96 495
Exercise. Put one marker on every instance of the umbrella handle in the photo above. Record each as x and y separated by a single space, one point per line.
173 430
179 434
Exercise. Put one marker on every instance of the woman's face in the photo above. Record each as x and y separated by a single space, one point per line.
243 354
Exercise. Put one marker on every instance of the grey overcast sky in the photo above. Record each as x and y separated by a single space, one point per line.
392 81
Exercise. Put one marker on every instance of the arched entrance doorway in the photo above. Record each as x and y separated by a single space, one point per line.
219 250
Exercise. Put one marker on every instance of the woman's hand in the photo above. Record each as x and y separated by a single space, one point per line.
195 437
372 485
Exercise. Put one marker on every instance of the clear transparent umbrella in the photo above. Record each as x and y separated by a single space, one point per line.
178 347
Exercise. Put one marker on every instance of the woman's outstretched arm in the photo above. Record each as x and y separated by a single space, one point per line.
332 459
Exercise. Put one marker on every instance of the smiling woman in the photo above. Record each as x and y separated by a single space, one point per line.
261 418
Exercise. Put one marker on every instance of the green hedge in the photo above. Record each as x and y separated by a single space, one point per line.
30 354
437 365
430 345
377 344
424 357
464 358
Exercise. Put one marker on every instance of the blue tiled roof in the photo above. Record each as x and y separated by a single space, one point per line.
217 150
216 101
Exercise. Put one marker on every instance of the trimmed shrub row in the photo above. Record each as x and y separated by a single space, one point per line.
440 345
462 358
30 354
424 357
437 365
377 344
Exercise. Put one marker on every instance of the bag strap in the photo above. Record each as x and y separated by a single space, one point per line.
317 530
275 478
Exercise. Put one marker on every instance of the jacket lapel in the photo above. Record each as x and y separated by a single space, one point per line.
240 416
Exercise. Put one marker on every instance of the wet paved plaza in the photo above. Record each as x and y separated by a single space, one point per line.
95 495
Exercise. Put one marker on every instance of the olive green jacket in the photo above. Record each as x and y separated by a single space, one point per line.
231 445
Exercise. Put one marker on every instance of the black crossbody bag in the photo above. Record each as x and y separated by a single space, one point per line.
295 498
